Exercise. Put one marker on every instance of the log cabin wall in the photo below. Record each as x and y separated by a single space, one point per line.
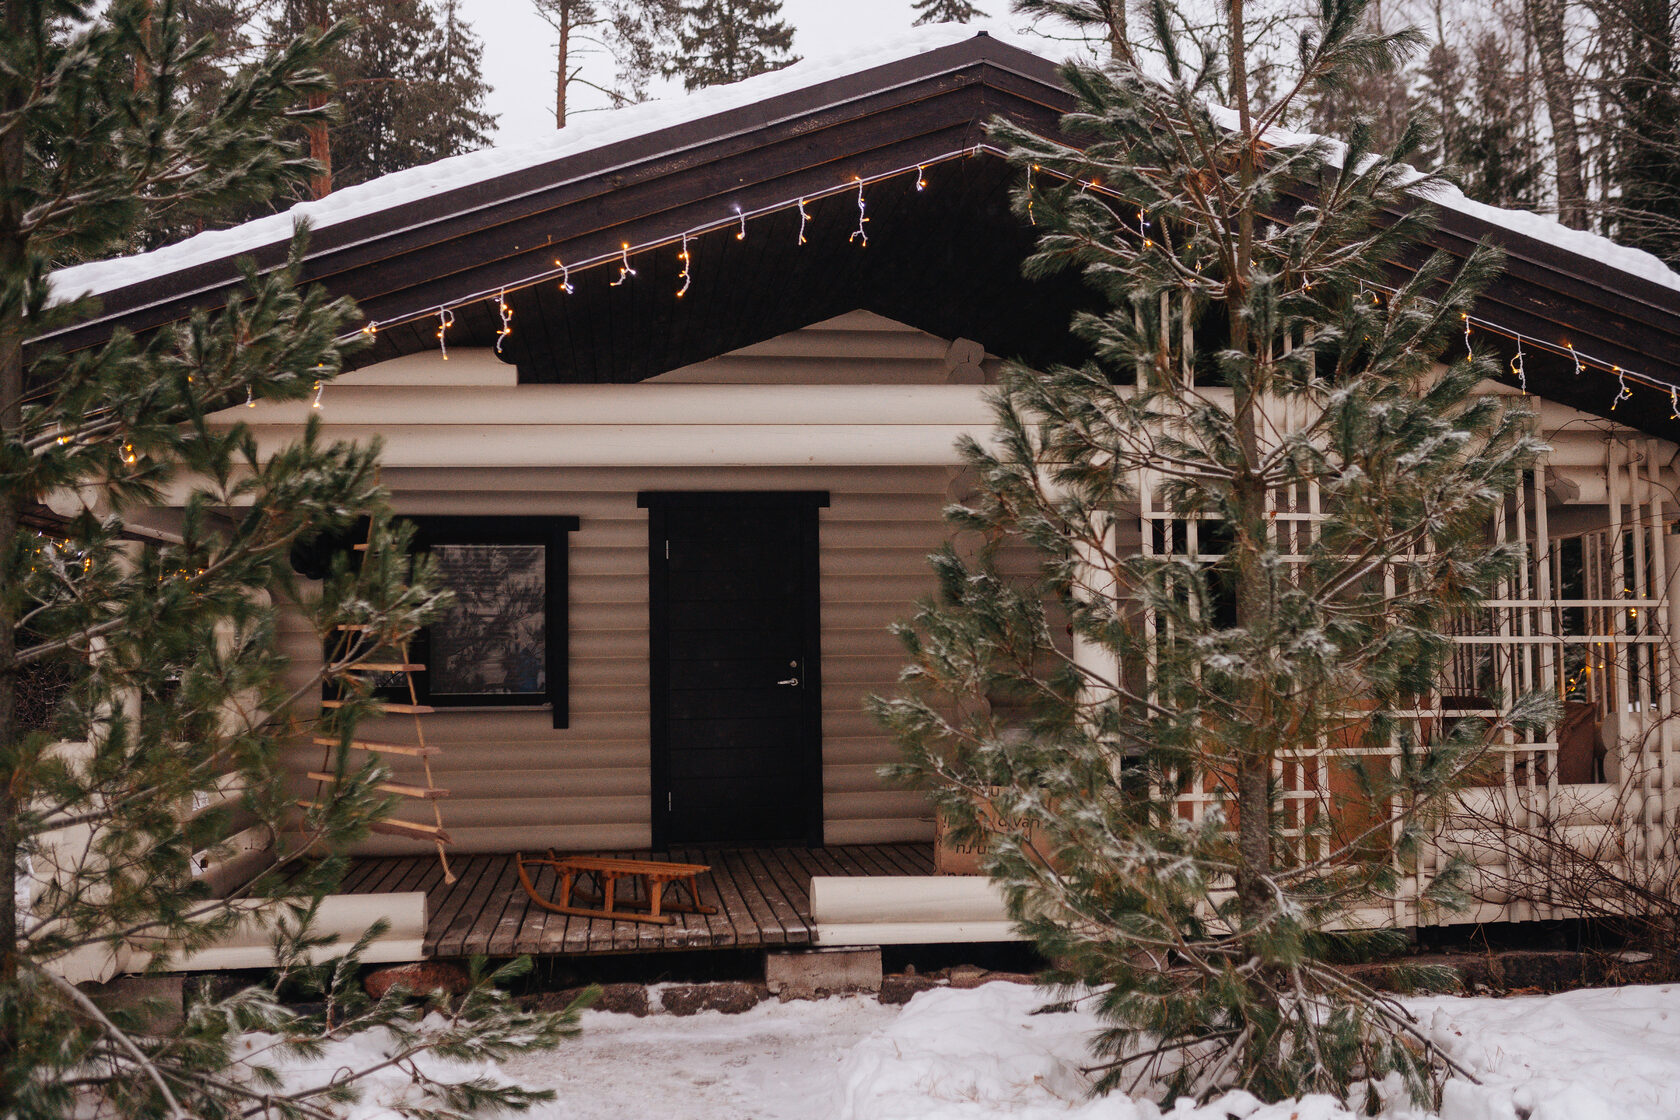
856 388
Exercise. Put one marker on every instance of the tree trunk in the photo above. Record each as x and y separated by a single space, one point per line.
320 138
1546 24
320 150
1254 764
1118 37
13 783
141 77
560 75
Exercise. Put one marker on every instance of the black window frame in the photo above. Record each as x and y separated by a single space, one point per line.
552 532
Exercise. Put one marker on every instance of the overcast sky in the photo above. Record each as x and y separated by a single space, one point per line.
519 49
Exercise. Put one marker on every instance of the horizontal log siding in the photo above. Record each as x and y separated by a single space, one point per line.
516 782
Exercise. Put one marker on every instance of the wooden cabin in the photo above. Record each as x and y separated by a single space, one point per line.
706 363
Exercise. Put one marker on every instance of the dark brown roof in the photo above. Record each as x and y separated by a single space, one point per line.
945 260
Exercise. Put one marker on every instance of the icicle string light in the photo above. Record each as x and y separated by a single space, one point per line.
1032 169
684 276
921 179
741 234
250 398
506 314
1518 368
625 271
446 319
1468 352
562 271
861 234
320 387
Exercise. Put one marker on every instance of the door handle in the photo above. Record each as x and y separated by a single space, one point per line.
791 682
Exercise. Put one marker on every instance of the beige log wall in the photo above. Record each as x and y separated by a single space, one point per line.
517 782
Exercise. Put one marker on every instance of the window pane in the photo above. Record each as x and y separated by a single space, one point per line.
491 639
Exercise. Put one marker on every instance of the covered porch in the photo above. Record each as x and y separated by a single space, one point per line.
762 896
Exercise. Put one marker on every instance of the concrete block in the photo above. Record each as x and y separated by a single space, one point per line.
810 973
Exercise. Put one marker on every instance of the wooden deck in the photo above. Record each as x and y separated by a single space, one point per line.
760 894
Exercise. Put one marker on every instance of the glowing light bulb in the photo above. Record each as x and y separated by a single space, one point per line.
624 269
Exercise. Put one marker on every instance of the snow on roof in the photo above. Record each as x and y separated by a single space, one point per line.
600 130
597 130
1593 246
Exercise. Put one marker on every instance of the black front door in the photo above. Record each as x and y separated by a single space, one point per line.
735 673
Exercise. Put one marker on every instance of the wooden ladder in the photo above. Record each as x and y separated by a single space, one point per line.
350 638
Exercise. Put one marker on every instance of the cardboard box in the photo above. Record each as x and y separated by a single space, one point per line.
953 858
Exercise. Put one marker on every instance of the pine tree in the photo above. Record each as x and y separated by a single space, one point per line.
723 41
946 11
632 33
1639 43
166 705
409 87
1223 634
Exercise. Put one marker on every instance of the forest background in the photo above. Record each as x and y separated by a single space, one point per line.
1566 107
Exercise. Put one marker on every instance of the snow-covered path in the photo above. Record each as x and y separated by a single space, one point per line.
1599 1054
775 1062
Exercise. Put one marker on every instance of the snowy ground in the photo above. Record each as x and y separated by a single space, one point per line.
981 1054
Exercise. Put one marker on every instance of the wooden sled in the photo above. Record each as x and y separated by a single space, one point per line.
653 876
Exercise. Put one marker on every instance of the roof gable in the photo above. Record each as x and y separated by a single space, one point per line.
944 260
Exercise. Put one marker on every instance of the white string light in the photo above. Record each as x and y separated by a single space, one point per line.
863 216
446 319
1623 393
1519 369
128 454
506 313
741 234
320 387
921 179
250 398
562 270
684 276
1468 353
1143 230
624 269
1673 403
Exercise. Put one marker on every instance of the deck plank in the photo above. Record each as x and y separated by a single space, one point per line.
796 930
918 856
746 929
759 910
532 934
794 878
762 897
887 855
470 931
359 873
718 932
458 897
505 930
